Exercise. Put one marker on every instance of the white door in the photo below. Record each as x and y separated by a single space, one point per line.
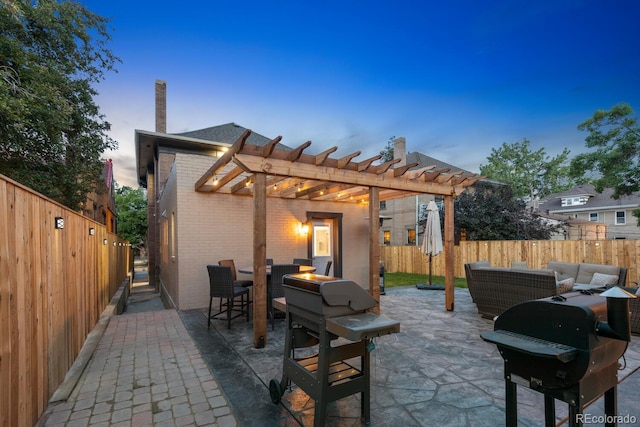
321 245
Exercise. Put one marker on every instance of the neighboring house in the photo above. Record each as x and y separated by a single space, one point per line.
400 217
101 204
573 228
613 218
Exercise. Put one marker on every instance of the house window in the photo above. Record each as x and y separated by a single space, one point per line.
593 216
621 218
387 237
383 205
172 236
411 236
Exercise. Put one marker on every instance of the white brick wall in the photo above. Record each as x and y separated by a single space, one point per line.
214 226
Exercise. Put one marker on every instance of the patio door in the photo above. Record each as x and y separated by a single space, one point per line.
321 245
325 242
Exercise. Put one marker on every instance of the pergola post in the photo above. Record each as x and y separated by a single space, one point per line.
259 260
374 244
449 281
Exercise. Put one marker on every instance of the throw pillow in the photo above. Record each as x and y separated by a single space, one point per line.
603 279
565 285
638 291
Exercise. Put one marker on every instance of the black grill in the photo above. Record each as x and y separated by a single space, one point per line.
566 347
321 309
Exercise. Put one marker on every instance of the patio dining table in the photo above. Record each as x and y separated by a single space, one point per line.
303 269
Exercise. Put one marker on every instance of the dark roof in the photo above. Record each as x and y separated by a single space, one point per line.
604 200
227 133
424 161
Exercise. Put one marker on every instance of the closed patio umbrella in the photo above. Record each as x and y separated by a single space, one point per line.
432 243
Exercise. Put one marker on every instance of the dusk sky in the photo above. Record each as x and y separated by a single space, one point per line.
454 78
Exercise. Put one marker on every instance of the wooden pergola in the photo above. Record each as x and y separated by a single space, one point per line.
266 171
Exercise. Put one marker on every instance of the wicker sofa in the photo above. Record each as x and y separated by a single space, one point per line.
494 289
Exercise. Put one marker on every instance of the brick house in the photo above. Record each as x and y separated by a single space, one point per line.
101 204
400 217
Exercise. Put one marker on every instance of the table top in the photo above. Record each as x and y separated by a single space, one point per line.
303 269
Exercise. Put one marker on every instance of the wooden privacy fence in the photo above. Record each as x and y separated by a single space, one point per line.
537 253
54 285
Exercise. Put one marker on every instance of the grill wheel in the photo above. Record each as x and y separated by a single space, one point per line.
275 390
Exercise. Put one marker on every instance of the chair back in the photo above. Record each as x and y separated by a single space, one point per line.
220 281
229 263
277 272
269 261
327 269
302 261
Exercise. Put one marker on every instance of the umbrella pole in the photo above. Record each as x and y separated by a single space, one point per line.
430 280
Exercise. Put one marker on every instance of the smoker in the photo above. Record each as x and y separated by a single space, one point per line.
319 310
566 347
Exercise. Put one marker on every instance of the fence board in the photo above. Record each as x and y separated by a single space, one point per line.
537 253
54 284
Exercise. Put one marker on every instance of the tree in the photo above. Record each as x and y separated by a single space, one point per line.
51 131
615 162
387 151
494 213
131 206
531 174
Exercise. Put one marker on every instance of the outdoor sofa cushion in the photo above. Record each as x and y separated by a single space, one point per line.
604 279
565 285
583 272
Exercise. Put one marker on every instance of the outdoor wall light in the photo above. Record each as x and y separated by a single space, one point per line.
59 223
92 231
215 180
104 242
115 243
303 229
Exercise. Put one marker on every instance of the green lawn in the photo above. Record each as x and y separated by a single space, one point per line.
404 279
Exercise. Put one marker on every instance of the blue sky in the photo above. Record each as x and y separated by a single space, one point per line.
454 78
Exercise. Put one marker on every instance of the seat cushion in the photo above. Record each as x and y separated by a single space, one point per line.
586 271
565 270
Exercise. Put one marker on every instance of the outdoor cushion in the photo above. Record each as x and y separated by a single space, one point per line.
638 291
586 271
604 279
565 270
565 285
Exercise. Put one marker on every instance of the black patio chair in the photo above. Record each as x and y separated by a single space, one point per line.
229 263
221 286
302 261
327 269
275 289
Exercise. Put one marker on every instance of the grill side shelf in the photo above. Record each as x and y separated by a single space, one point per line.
530 345
361 326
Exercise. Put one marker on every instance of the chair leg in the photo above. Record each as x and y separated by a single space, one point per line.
209 316
229 307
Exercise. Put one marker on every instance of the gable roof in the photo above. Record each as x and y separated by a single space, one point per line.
596 201
227 133
204 141
424 161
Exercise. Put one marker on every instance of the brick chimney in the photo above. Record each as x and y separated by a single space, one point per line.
400 150
161 106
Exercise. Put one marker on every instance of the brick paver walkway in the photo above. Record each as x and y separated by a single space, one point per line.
145 371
